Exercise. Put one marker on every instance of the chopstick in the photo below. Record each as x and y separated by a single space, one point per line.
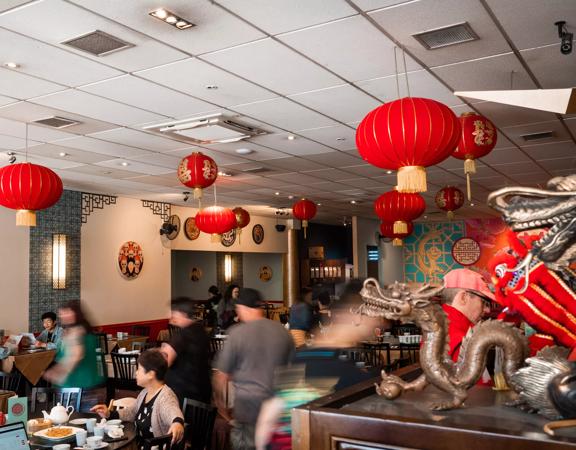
110 405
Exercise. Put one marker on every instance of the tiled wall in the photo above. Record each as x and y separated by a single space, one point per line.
62 218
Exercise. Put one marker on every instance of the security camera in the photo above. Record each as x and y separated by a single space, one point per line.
565 38
12 159
280 227
186 195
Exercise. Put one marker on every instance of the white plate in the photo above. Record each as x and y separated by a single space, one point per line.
42 433
102 445
78 421
114 422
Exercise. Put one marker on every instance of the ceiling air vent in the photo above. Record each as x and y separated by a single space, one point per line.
57 122
97 43
445 36
209 129
257 170
537 136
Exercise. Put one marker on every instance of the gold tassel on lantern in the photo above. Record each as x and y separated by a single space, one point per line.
214 238
400 227
397 242
304 225
25 218
238 234
469 167
197 193
412 179
450 215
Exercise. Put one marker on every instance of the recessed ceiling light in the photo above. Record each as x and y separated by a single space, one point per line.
425 217
244 151
388 172
11 65
211 87
62 154
171 18
471 204
291 137
125 164
319 204
290 197
341 139
106 172
224 174
353 202
276 193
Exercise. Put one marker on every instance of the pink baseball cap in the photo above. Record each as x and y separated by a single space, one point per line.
469 280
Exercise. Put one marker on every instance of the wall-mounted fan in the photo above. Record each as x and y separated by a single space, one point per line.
171 227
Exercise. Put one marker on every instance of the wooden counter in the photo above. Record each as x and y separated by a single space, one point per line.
357 418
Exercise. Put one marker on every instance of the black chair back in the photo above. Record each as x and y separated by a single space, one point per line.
174 330
124 367
216 345
141 330
10 381
377 355
199 418
159 443
409 353
45 398
102 342
141 346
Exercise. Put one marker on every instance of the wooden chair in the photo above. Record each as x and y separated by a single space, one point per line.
157 443
140 330
10 381
45 398
124 367
102 342
199 418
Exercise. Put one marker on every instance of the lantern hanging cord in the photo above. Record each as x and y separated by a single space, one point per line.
406 72
215 196
396 72
26 141
512 72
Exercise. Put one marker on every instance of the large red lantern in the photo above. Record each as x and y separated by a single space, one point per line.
449 199
215 220
477 138
28 187
387 230
197 171
304 210
242 219
408 135
399 208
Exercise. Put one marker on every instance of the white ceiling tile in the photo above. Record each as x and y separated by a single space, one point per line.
298 146
56 21
259 153
44 61
337 159
191 76
504 156
24 86
284 114
366 170
221 159
344 103
516 167
160 159
14 143
329 174
415 17
351 47
35 133
296 178
106 171
515 133
366 183
8 4
149 96
555 164
369 5
552 69
215 28
102 146
7 100
156 180
54 163
278 16
296 164
139 139
72 154
551 150
339 137
134 166
273 65
99 108
505 116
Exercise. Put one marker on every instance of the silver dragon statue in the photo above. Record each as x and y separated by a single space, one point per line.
398 302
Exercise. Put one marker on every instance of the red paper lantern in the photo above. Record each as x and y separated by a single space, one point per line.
242 219
399 208
215 220
477 138
387 230
28 187
408 135
449 199
197 171
304 210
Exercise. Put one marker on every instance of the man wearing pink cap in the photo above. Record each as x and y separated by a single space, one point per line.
466 299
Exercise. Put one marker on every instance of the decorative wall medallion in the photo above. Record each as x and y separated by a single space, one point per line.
265 273
466 251
195 274
190 229
258 233
130 259
228 238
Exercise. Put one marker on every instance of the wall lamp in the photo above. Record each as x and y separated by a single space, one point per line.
59 261
227 268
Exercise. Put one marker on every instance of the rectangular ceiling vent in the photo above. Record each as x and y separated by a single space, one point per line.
446 36
57 122
210 129
97 43
257 170
537 136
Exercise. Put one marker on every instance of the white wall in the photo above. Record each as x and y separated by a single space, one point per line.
272 289
108 296
14 257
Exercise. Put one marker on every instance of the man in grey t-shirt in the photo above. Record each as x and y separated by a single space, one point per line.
252 352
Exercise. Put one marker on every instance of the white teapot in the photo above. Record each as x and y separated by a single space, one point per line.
59 415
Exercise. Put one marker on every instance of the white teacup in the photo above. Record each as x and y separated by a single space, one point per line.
81 436
90 424
99 430
94 441
61 447
122 350
119 335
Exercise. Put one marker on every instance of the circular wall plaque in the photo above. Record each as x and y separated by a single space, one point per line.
466 251
190 229
228 238
130 259
195 274
258 233
265 273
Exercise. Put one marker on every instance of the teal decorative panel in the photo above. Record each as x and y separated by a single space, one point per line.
428 251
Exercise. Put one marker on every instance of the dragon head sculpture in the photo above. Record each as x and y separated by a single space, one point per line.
397 301
525 208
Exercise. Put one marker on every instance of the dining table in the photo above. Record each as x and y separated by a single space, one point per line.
126 442
30 363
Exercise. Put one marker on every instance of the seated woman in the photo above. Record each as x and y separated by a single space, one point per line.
156 411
